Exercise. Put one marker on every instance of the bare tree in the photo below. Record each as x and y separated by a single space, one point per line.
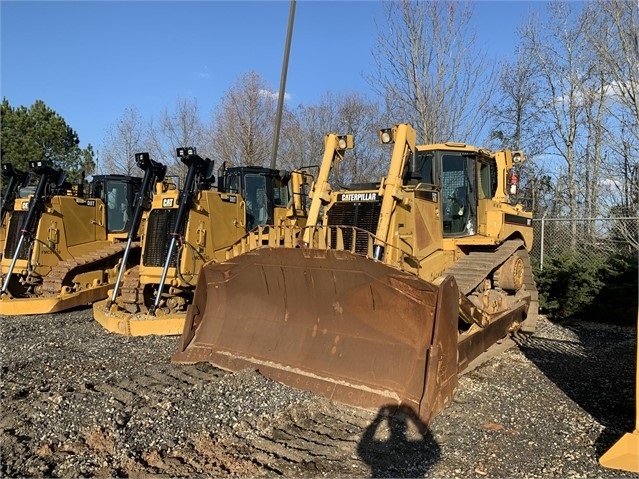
369 161
242 131
180 128
516 125
595 111
123 140
303 132
515 116
557 49
616 40
343 113
614 35
430 72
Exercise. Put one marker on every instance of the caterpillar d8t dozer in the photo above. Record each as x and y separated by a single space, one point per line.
63 247
387 299
17 179
184 229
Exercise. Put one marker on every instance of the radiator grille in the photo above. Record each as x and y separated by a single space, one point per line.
13 236
362 215
156 245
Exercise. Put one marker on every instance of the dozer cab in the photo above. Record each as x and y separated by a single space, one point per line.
63 248
17 179
390 294
186 228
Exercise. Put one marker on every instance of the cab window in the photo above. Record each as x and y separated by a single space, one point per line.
117 196
255 195
280 192
458 190
487 181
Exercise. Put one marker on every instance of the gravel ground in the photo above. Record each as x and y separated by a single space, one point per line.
80 402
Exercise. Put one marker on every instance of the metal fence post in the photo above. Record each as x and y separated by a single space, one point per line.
541 246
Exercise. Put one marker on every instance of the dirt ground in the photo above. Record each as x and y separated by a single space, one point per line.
80 402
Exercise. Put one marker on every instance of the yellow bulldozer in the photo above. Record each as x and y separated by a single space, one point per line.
63 248
184 228
388 295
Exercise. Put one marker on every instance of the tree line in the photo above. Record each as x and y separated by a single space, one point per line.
569 98
39 133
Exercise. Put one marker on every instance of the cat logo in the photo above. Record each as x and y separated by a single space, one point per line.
167 202
25 206
90 202
358 197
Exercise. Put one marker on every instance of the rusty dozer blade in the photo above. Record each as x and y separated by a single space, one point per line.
331 322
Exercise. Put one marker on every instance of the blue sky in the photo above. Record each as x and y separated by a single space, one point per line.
90 60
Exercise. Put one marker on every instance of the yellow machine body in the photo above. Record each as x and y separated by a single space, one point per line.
215 221
71 259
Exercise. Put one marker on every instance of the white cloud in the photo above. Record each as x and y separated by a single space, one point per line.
274 95
204 73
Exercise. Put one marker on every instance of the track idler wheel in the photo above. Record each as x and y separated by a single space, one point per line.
510 275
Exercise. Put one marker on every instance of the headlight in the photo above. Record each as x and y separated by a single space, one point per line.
386 136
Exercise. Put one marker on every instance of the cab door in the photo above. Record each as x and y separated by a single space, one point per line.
459 194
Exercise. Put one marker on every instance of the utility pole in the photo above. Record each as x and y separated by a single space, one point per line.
280 97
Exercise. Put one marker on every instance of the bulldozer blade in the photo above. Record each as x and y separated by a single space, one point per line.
351 329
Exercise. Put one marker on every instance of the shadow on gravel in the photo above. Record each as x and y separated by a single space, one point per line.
597 372
398 444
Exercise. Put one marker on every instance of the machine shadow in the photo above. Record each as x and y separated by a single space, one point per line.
596 371
398 444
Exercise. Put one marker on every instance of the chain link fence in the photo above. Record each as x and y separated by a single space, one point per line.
590 237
